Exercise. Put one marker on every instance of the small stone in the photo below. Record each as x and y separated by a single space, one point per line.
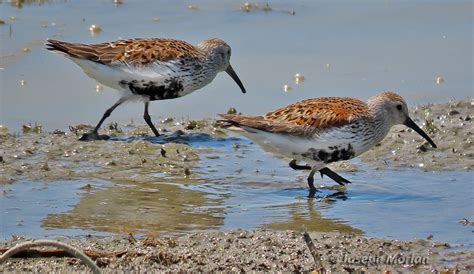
26 50
232 111
453 112
422 148
22 83
187 172
298 78
167 121
45 167
12 17
468 118
439 80
247 7
111 163
193 7
86 187
95 29
287 88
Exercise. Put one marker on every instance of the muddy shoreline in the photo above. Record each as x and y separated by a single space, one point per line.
259 250
133 155
58 155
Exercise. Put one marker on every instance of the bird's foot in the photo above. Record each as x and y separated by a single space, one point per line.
295 166
93 136
333 175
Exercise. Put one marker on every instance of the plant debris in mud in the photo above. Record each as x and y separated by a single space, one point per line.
264 251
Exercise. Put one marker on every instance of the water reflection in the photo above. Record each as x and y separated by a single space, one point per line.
147 208
307 215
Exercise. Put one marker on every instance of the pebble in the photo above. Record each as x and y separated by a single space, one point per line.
453 112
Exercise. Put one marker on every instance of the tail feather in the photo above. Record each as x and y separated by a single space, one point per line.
81 51
230 119
260 123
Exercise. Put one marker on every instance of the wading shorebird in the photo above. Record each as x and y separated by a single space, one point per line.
149 69
323 130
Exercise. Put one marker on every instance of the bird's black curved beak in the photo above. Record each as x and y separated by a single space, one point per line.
409 123
234 76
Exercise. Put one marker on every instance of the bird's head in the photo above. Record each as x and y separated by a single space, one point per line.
395 111
219 53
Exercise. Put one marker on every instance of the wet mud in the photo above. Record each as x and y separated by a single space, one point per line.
243 251
133 153
450 126
132 157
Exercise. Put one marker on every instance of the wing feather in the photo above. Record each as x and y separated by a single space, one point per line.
141 51
306 117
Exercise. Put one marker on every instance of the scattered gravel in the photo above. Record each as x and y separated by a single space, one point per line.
242 250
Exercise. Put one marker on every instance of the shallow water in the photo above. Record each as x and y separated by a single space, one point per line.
237 185
343 49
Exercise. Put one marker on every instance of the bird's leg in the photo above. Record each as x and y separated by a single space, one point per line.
312 189
147 118
333 175
94 135
295 166
324 171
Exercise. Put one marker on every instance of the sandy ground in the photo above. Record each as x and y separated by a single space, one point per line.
58 155
252 250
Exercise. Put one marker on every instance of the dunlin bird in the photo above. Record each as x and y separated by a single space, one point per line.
149 69
323 130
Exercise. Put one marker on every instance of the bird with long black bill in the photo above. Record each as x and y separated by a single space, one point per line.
324 130
149 69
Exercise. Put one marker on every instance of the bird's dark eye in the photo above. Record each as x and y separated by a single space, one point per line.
399 107
228 52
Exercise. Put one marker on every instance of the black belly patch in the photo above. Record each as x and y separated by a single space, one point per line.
332 154
169 89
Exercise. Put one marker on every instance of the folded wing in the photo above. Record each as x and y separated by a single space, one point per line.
132 51
306 117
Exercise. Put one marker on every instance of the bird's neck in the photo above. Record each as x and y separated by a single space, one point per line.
209 61
380 121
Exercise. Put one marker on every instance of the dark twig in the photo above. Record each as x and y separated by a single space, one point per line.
312 250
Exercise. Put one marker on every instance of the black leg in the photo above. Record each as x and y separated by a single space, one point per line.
295 166
312 189
333 175
147 118
94 135
311 180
